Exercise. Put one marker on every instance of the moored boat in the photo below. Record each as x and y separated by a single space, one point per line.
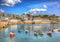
12 34
26 31
49 32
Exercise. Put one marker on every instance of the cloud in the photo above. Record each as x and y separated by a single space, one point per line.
10 2
1 10
36 10
45 6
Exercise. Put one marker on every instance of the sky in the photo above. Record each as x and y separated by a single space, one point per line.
30 6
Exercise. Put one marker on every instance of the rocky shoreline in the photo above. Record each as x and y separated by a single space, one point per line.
4 24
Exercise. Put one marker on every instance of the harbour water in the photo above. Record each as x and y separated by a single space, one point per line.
22 36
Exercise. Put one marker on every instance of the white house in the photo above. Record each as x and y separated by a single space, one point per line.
13 20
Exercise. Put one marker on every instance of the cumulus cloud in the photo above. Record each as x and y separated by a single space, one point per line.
36 10
10 2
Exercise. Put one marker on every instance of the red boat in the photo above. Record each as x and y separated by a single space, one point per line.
12 34
49 32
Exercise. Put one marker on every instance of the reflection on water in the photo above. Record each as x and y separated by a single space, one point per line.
21 36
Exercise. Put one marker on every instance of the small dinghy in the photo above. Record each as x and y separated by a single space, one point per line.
35 34
12 34
49 32
26 31
41 34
